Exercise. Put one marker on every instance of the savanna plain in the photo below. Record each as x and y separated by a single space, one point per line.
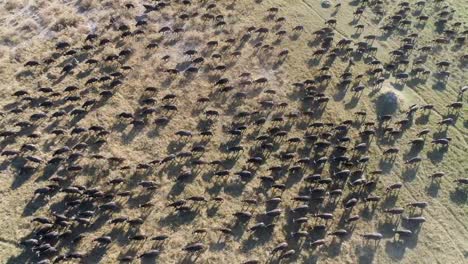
248 131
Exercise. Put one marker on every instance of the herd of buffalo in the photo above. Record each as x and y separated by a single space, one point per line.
269 158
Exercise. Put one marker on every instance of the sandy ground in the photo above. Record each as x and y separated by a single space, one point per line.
30 30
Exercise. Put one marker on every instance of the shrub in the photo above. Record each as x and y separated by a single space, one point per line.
387 103
65 21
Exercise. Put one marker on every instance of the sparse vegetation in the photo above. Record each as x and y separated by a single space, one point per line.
232 131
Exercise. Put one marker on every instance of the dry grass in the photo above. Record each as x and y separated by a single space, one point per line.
30 32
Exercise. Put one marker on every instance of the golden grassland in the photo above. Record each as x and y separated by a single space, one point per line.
29 31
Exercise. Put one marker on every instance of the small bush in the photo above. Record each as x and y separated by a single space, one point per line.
387 104
11 5
86 5
65 21
29 25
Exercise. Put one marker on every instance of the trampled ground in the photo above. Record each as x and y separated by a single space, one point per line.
30 30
